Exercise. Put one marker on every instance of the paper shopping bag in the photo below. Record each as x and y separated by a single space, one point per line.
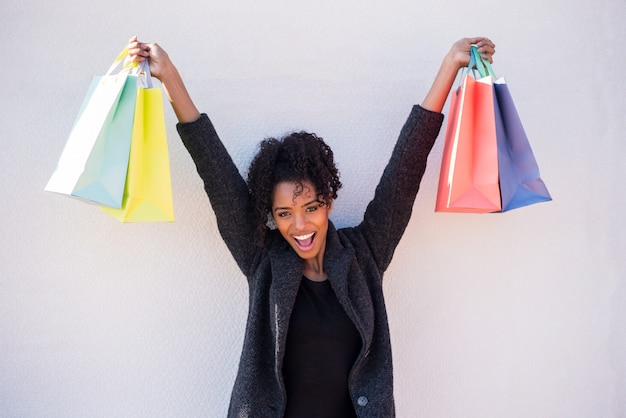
94 160
468 180
148 191
520 182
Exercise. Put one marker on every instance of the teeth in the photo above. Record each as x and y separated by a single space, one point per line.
303 237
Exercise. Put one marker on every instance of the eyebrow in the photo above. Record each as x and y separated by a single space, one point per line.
316 200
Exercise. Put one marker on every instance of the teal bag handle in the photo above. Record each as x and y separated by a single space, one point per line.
472 63
482 65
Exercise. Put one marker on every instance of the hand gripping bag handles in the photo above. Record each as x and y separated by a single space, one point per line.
94 161
487 164
148 190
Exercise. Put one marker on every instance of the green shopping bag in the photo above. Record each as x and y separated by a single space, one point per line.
94 161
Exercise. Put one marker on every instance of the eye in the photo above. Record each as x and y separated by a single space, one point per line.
312 208
282 214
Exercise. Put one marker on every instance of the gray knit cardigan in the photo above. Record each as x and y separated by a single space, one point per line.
355 259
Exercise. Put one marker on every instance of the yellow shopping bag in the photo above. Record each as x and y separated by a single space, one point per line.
148 189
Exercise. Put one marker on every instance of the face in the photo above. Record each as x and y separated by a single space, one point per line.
302 220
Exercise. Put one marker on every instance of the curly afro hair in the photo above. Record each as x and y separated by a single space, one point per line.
297 157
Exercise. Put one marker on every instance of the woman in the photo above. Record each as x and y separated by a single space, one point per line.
317 338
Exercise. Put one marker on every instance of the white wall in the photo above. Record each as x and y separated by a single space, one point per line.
520 314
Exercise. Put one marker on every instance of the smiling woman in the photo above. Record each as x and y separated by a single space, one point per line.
317 340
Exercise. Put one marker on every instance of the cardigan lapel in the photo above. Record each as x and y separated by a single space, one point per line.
287 269
349 285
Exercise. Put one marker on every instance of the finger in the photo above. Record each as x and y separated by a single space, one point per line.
137 48
487 47
488 50
487 56
485 42
137 58
478 41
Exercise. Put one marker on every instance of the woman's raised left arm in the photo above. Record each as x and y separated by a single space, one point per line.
388 214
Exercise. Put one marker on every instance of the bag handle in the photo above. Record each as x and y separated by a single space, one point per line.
142 69
483 66
476 63
127 66
144 77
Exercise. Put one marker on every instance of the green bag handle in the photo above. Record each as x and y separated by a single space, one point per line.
483 66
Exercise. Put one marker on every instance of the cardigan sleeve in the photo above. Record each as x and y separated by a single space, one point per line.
225 187
388 214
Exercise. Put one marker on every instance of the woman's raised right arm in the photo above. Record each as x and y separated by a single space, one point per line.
162 68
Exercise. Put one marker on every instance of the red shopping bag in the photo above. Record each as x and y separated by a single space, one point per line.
468 181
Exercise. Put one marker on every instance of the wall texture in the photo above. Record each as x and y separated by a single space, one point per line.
520 314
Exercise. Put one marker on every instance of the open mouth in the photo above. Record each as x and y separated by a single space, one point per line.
305 242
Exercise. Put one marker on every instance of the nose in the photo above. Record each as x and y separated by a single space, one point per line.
299 221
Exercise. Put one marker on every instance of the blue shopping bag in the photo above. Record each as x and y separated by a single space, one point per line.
520 181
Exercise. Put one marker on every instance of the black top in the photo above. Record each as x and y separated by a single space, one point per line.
322 344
